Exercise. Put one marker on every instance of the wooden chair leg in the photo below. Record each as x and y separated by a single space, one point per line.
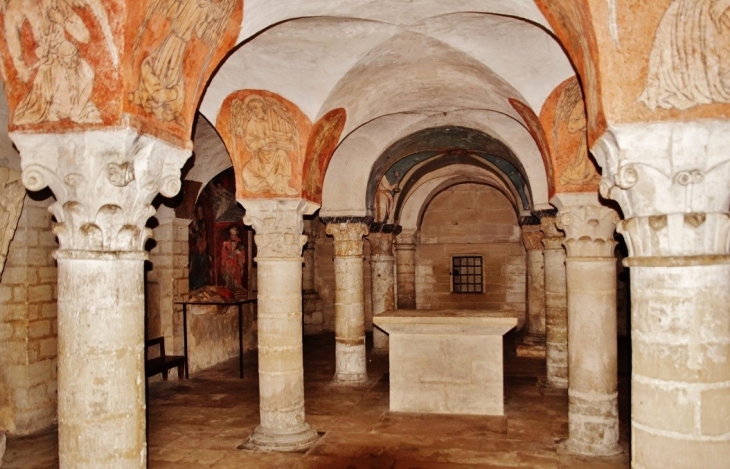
180 371
164 375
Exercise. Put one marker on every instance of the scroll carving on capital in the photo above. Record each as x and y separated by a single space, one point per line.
12 193
381 244
348 238
532 237
589 226
279 225
671 181
104 183
552 236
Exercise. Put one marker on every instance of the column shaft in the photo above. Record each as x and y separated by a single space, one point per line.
680 389
350 361
382 278
556 311
535 292
405 258
593 386
101 406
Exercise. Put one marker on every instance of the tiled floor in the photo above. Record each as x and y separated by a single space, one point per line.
200 422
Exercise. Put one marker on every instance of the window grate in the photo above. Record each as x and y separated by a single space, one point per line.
466 274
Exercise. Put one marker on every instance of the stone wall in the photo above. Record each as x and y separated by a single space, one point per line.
167 279
28 324
471 219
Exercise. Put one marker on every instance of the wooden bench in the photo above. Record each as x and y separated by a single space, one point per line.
163 363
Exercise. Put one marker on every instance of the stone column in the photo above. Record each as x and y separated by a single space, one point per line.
556 308
311 302
532 342
278 224
590 268
382 263
405 261
104 182
12 193
350 365
672 181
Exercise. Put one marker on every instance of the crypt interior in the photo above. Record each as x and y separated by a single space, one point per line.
365 234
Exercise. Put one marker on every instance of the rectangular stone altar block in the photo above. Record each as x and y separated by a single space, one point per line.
446 361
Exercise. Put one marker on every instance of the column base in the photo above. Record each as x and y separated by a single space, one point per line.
531 346
587 449
263 439
359 379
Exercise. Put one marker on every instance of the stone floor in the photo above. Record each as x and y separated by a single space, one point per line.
199 424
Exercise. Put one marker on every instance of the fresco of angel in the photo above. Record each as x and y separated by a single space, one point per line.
270 143
161 87
61 79
689 63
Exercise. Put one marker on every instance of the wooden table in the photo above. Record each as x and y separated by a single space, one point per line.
240 304
446 361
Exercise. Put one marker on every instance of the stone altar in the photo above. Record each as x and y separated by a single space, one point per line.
446 361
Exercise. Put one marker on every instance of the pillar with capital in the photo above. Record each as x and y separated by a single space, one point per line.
382 278
532 343
350 362
556 313
279 224
671 181
590 267
405 260
104 182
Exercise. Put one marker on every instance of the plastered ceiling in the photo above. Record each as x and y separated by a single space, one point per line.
397 68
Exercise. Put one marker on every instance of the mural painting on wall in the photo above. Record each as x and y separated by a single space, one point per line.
534 126
572 24
564 113
61 62
689 62
266 136
220 244
325 137
176 46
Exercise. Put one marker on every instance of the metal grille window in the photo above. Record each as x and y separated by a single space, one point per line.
466 274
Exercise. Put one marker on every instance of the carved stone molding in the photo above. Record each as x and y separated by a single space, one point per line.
532 237
671 181
552 237
588 225
104 182
381 244
279 225
348 238
12 193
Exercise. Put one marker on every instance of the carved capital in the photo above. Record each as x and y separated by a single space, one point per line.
279 225
104 182
552 236
588 225
406 239
348 238
381 244
12 193
532 237
671 181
